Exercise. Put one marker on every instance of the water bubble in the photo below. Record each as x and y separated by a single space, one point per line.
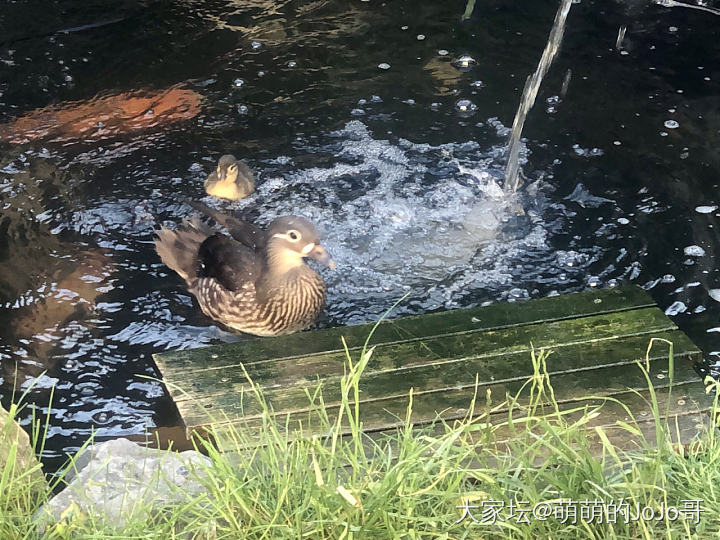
376 99
384 65
410 101
623 221
705 209
464 63
443 52
292 64
477 84
261 73
672 29
242 109
420 37
714 294
68 78
694 251
357 112
465 107
671 124
404 27
362 102
238 83
676 308
256 45
435 106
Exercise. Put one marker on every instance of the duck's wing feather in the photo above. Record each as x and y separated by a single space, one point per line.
242 231
232 264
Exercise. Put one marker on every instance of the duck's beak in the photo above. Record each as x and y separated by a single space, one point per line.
322 256
221 174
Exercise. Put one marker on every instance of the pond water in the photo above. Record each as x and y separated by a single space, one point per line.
358 116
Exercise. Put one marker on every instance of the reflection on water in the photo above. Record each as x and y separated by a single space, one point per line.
401 168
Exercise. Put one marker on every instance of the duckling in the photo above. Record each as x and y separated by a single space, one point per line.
232 179
265 288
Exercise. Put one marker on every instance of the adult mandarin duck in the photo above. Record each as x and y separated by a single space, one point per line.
256 281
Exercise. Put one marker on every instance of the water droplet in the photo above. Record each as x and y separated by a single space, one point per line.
261 73
68 78
256 45
292 64
404 27
623 221
465 107
694 251
420 37
443 52
673 29
464 63
376 99
357 112
384 65
242 109
477 84
362 102
705 209
410 101
435 106
671 124
237 83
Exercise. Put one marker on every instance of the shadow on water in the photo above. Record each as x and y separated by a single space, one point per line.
359 117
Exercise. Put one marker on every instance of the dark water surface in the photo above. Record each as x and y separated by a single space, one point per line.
622 172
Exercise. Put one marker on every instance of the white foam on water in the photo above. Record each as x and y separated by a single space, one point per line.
405 216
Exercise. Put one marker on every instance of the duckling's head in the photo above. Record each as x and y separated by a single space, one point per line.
290 240
232 179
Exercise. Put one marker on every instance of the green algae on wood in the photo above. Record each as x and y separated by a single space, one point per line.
597 338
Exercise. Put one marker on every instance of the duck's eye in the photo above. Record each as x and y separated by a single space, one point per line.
233 167
294 236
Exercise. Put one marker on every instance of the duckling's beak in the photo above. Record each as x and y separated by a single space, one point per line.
320 255
221 174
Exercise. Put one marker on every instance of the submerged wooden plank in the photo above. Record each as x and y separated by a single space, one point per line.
443 359
500 315
684 405
448 403
490 365
434 349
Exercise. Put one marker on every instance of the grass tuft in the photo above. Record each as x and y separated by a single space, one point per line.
443 480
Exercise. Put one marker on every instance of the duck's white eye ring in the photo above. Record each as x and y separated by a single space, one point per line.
294 236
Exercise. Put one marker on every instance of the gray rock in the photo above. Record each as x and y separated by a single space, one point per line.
119 481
